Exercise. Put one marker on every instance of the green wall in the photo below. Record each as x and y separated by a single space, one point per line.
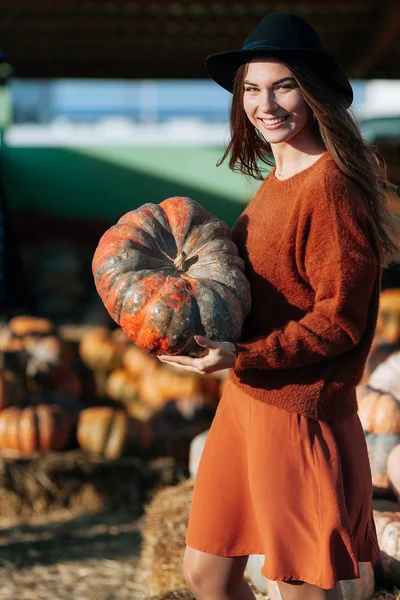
106 182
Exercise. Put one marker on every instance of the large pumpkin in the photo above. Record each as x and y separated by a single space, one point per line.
35 428
170 271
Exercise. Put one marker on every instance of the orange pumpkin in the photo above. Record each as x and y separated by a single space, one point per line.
388 324
99 351
137 362
120 338
169 271
139 410
24 324
112 432
35 428
121 386
166 383
379 412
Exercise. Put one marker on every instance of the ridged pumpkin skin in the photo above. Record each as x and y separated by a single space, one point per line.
379 412
379 446
393 470
35 428
387 568
169 271
111 432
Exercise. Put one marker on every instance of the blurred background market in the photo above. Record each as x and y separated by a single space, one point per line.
105 106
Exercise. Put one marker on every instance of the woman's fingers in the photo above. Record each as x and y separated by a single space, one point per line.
180 360
205 342
183 362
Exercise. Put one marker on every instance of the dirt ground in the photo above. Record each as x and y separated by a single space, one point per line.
65 557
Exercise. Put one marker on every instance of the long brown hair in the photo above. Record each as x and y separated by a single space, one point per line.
338 129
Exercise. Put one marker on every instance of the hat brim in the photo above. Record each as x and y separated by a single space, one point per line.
222 67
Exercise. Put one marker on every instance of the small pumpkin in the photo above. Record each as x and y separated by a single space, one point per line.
35 428
165 384
111 432
379 353
393 469
379 447
121 339
388 324
386 376
379 412
121 386
387 568
23 325
99 351
170 271
137 362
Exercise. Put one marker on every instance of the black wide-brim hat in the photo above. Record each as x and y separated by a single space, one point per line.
284 36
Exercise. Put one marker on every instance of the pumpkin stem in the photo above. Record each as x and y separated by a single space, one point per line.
180 261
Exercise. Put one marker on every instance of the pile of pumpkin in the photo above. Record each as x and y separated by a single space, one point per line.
379 411
92 387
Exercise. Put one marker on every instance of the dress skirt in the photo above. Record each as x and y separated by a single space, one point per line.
294 489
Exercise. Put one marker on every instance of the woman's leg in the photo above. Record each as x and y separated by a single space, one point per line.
305 591
212 577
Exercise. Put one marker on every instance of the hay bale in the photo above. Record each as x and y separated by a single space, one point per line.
163 531
185 594
43 483
174 595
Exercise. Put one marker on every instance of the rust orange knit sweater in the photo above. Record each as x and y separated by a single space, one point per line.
312 259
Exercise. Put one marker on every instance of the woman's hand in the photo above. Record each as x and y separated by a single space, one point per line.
221 355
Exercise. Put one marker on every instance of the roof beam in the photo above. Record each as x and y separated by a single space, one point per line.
386 33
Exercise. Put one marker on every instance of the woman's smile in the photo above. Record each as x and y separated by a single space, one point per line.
273 123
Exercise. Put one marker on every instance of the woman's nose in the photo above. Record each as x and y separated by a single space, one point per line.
267 101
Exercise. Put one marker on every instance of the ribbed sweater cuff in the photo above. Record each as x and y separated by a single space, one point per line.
247 355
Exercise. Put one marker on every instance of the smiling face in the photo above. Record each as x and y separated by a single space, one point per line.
273 102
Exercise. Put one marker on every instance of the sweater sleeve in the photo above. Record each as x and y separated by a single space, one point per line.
340 263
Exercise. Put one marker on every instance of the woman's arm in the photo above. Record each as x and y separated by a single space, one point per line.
342 266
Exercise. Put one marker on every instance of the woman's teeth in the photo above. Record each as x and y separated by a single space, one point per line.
274 121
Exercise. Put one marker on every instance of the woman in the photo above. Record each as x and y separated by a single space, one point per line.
285 471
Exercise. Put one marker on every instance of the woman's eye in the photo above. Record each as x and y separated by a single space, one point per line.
250 89
284 87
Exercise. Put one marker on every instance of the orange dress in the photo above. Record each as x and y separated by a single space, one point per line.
278 483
